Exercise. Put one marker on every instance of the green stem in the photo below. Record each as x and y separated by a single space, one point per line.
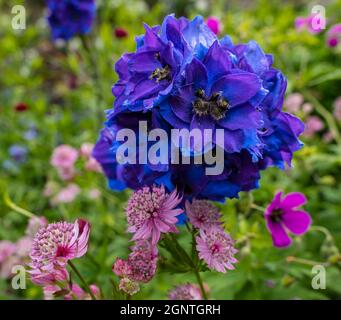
324 230
306 261
201 285
87 288
9 203
325 114
259 208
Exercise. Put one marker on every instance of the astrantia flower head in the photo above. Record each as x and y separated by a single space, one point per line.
283 215
57 243
216 248
64 156
202 214
185 292
129 286
141 263
68 18
152 211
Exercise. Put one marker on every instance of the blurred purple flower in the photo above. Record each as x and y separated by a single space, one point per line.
313 124
18 153
186 291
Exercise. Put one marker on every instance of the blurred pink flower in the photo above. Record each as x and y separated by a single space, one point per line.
283 215
307 108
24 246
293 102
328 137
7 248
152 211
337 108
86 149
334 35
94 194
307 23
66 195
214 24
54 245
64 156
66 174
76 292
185 292
93 165
202 214
50 189
34 224
312 125
216 248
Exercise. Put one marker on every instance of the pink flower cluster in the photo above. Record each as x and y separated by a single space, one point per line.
17 253
307 23
334 35
53 246
214 245
186 291
64 159
139 267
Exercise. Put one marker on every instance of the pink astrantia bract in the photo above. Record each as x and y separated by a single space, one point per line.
64 156
152 211
202 214
54 245
216 248
283 215
186 291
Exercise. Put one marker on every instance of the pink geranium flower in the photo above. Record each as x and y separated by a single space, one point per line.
216 248
214 24
54 245
334 35
152 211
64 156
283 215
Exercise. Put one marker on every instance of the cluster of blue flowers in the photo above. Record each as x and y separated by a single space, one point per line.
68 18
182 76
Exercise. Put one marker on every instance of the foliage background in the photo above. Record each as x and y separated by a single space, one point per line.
38 72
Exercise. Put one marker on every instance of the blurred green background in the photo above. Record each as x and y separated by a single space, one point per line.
66 104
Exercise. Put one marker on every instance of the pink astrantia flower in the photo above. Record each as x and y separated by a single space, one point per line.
93 165
312 125
141 263
152 211
216 248
334 35
186 291
54 245
283 215
337 108
7 248
214 24
293 102
202 214
64 156
86 150
66 195
129 286
66 174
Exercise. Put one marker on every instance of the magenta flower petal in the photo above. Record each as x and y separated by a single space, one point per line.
279 236
274 203
293 200
298 222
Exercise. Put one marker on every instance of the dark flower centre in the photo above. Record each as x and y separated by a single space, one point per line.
161 74
276 215
215 106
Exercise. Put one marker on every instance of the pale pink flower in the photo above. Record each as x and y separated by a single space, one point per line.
94 194
34 224
337 108
56 244
86 150
293 102
312 125
66 195
64 156
216 248
77 293
214 24
328 136
202 214
152 211
307 107
7 265
129 286
50 189
66 174
93 165
7 248
186 291
24 246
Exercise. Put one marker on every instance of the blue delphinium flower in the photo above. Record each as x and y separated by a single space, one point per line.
182 76
68 18
18 153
